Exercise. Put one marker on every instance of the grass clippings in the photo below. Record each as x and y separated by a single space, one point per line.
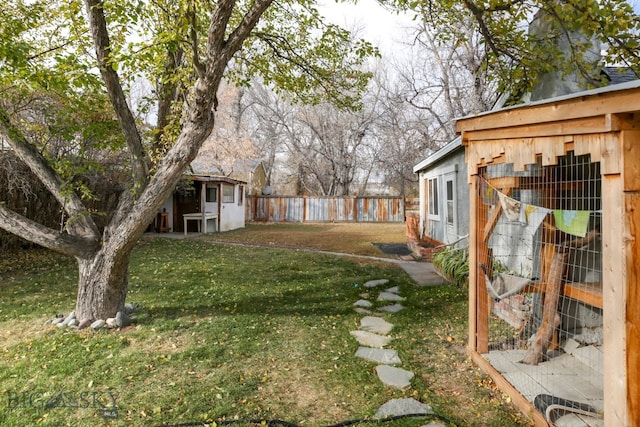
230 332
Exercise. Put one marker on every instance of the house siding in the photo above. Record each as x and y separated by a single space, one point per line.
436 228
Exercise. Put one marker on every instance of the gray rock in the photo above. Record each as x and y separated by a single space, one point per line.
362 303
111 322
374 283
388 296
48 322
378 355
376 325
408 406
73 322
362 310
370 339
122 320
57 320
392 308
85 323
70 317
129 309
393 290
98 324
394 377
364 295
60 325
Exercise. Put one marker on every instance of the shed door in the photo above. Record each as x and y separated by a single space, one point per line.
450 211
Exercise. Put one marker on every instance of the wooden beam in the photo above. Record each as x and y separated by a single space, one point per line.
631 160
578 126
603 103
588 293
632 208
631 150
615 284
474 191
482 256
491 223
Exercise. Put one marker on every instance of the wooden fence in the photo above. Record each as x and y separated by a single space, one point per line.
325 209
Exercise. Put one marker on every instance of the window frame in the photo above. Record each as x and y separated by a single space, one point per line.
433 198
228 196
210 189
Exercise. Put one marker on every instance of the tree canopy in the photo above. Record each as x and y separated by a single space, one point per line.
516 57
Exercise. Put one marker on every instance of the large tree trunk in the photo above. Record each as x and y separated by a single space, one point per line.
102 284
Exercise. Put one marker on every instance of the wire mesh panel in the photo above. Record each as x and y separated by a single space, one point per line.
539 302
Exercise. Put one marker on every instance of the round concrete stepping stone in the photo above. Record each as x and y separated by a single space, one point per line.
379 355
389 296
363 303
393 290
392 308
408 406
374 324
374 283
394 377
361 310
370 339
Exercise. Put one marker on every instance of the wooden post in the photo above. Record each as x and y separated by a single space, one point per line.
473 261
627 315
632 208
478 254
203 207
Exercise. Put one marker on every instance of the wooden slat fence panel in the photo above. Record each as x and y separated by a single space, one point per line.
325 209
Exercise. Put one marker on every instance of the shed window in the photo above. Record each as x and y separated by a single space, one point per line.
228 194
450 218
212 194
433 197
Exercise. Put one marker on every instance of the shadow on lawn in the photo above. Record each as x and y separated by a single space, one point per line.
291 303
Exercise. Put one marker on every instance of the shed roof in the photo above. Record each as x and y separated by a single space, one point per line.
634 84
213 178
451 147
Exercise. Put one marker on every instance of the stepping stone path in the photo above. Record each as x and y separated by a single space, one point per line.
375 283
379 355
363 303
370 339
394 377
392 308
389 296
377 325
372 335
408 406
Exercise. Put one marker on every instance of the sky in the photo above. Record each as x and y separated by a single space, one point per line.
383 28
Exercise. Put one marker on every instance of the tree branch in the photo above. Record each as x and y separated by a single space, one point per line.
37 233
100 34
81 223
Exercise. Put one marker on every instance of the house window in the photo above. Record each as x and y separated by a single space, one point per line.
240 195
450 218
212 194
433 198
228 193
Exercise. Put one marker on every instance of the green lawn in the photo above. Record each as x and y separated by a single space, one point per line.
228 332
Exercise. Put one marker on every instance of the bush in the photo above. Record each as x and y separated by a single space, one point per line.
453 264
